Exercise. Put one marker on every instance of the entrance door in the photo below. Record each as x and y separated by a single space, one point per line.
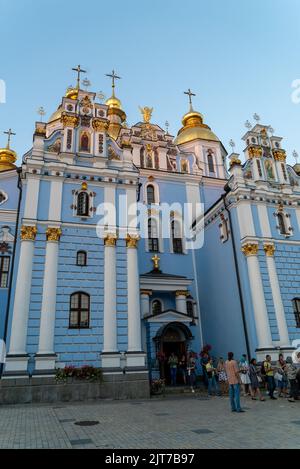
179 349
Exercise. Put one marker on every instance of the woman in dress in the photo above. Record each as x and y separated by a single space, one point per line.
255 380
244 374
182 368
222 376
282 380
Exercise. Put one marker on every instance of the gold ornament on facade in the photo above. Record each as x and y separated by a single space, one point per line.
28 233
182 293
269 249
279 155
132 241
155 259
72 93
146 292
69 121
146 113
100 125
126 144
255 152
250 249
112 154
110 240
84 186
235 160
40 130
53 234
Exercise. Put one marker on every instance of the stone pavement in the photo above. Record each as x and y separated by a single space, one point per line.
187 421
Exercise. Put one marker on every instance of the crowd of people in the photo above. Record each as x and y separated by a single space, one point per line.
223 377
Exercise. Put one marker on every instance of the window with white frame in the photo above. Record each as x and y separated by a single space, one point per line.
4 271
150 194
176 234
153 235
296 305
210 161
156 307
224 231
283 222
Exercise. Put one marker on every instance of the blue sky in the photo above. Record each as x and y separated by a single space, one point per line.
238 56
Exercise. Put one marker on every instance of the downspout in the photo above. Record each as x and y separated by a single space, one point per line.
19 171
237 272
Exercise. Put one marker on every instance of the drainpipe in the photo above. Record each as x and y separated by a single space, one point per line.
19 171
238 278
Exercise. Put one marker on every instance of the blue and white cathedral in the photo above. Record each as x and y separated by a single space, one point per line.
77 287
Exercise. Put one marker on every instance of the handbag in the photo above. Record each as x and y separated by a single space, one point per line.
278 376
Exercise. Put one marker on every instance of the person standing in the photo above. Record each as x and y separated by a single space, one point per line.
255 379
244 374
191 365
233 376
291 372
182 368
213 385
269 369
173 362
223 381
282 380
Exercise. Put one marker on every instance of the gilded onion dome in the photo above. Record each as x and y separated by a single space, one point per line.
116 115
194 128
8 158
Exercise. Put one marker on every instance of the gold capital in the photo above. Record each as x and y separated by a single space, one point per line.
132 241
182 293
146 292
269 249
110 240
53 234
28 233
279 155
70 121
254 152
100 125
250 249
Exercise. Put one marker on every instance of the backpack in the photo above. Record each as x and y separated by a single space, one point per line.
262 369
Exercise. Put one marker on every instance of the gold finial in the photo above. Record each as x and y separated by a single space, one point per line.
113 77
146 113
190 94
9 133
79 70
155 259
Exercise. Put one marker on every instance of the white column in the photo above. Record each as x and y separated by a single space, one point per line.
134 313
181 301
47 326
18 336
264 339
277 300
110 295
145 302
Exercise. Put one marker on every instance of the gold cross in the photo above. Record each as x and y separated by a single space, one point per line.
114 77
79 70
156 260
190 94
9 133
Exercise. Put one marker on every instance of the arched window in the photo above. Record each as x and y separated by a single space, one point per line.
210 161
85 142
4 270
176 237
281 223
81 258
296 304
156 307
153 235
79 310
150 194
83 204
190 308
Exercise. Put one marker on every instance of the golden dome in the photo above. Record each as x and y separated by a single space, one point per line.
193 129
7 159
72 93
113 102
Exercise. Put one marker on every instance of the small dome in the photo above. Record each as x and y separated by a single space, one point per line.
7 159
113 102
193 129
72 93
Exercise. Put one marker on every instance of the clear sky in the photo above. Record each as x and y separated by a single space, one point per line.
238 56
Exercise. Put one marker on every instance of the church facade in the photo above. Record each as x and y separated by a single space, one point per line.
120 245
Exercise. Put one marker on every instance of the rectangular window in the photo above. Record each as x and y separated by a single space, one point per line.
4 271
296 303
153 244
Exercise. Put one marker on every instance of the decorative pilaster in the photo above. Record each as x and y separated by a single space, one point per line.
110 355
280 162
277 300
181 301
17 358
45 357
264 339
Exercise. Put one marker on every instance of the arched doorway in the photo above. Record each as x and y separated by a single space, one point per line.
174 337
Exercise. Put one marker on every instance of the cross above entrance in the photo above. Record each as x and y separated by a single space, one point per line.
155 259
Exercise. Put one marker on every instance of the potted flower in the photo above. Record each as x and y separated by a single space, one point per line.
157 386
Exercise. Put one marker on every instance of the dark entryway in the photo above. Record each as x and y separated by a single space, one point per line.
172 338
